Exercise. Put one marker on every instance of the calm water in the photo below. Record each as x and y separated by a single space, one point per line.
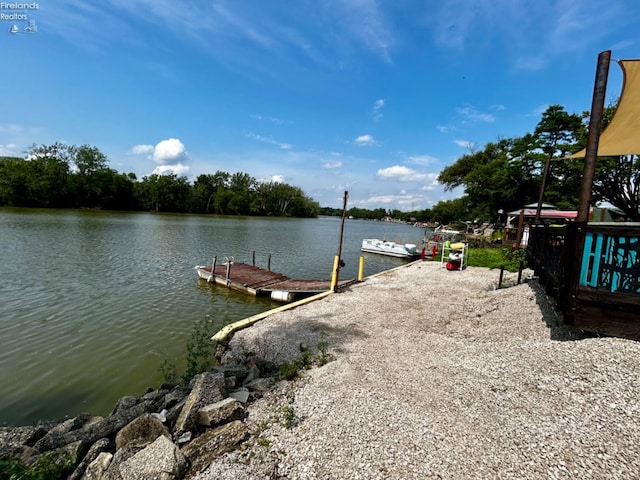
91 301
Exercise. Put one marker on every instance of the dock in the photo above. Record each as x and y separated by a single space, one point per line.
257 281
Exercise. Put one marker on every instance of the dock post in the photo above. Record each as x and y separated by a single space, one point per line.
334 273
253 257
269 263
213 269
228 271
361 269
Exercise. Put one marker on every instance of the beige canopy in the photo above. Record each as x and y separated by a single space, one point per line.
622 135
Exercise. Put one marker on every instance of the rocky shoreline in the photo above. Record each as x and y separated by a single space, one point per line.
434 374
170 433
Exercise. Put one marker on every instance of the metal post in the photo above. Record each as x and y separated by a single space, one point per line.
597 107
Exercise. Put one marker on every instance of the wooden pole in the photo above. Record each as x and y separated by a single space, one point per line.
595 122
344 213
253 258
269 263
213 269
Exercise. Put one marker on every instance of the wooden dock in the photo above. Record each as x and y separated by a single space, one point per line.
259 281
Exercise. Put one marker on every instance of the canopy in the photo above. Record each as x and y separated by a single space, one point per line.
622 135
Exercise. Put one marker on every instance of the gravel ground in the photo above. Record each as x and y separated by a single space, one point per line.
437 374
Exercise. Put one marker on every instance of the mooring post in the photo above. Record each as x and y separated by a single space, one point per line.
269 263
228 270
500 279
361 269
213 269
334 273
253 258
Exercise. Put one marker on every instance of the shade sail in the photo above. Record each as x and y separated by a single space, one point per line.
622 135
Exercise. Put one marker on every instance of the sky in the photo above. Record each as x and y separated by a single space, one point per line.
367 96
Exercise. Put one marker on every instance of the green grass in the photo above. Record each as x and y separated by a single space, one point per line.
496 257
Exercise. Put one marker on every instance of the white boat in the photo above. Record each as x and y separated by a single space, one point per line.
392 249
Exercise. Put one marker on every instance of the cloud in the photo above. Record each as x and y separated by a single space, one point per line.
466 144
178 169
142 150
275 120
169 152
401 173
8 150
470 113
332 165
422 159
377 114
365 140
260 138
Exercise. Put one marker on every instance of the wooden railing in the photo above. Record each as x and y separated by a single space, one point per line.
593 270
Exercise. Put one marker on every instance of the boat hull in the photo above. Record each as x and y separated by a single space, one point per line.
390 249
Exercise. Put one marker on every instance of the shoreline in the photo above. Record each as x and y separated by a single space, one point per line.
439 375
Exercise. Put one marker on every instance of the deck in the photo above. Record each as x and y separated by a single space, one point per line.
259 281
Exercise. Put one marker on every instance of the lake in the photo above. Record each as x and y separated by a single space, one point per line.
91 302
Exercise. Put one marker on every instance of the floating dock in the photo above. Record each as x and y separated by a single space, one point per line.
259 281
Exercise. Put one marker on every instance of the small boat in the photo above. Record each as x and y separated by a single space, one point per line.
392 249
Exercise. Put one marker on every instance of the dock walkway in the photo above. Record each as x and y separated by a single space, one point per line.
259 281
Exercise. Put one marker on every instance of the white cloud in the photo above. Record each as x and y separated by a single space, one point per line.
179 169
422 159
365 140
466 144
332 165
377 114
260 138
277 178
472 114
9 150
142 150
169 152
275 120
401 173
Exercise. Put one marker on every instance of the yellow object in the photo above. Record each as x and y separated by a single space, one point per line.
361 269
334 272
457 246
621 135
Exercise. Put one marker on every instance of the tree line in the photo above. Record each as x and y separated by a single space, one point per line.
507 174
64 176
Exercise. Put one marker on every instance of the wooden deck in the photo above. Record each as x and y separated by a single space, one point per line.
259 281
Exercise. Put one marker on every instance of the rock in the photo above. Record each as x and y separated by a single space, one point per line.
161 460
125 403
174 397
94 430
242 395
97 468
213 443
14 440
260 385
252 374
221 412
95 450
207 388
141 432
238 371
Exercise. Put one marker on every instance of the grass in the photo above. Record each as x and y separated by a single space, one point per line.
496 257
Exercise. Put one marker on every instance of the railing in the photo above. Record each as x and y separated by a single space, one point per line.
593 270
546 252
610 261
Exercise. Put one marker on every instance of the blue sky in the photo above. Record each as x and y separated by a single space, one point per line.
373 97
